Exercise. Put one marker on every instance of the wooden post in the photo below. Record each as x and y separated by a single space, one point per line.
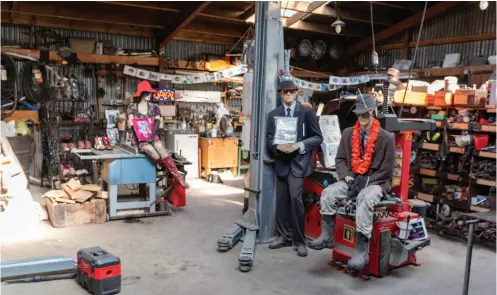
100 110
405 47
162 64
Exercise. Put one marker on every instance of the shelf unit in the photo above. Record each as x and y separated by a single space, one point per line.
442 154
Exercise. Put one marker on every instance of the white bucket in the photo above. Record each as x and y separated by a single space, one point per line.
404 230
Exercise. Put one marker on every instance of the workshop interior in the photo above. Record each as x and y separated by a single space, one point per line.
134 116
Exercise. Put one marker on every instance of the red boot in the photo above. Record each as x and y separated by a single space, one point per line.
171 167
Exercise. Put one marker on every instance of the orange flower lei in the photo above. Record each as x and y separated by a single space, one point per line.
361 165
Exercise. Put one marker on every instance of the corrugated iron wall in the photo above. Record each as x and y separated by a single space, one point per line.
465 19
115 87
20 34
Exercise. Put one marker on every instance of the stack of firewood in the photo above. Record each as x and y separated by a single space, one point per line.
73 192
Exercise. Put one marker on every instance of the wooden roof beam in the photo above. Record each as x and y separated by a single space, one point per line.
324 29
170 9
216 30
440 41
331 12
393 5
401 26
353 15
181 20
300 15
41 21
83 19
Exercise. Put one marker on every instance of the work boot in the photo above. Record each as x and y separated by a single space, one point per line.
168 163
361 254
280 242
302 250
326 239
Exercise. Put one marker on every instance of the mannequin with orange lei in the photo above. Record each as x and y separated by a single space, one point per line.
364 163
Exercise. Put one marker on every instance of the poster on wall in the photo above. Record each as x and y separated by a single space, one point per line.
330 128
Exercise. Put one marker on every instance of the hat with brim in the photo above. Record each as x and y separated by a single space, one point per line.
144 86
286 84
364 103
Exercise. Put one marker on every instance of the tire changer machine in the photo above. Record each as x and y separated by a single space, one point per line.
398 233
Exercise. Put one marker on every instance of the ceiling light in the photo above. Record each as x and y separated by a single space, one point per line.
338 24
483 5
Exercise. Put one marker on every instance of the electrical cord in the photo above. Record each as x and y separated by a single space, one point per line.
9 85
413 59
33 90
374 42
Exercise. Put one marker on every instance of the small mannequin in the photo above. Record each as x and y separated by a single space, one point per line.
142 108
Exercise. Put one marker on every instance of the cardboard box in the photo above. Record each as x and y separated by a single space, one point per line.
443 98
66 215
413 98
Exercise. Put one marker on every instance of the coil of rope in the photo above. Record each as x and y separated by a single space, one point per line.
9 85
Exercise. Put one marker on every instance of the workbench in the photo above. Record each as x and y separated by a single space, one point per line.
217 153
474 219
125 166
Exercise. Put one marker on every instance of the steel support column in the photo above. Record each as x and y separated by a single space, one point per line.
257 223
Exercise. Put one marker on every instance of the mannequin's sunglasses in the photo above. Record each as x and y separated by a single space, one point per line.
286 91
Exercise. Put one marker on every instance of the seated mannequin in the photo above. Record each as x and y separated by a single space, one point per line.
153 147
364 163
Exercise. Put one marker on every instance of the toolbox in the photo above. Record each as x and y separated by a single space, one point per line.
99 272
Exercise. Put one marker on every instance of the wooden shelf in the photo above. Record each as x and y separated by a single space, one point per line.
426 197
437 72
479 209
428 172
485 182
489 155
454 177
91 58
21 115
457 150
430 146
457 71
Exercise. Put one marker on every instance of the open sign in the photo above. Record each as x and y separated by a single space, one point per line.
165 94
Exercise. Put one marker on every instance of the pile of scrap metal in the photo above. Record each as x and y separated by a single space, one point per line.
452 224
484 169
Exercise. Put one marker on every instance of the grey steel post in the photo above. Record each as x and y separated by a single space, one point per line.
469 254
257 223
267 56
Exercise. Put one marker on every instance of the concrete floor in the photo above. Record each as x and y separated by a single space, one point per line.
177 255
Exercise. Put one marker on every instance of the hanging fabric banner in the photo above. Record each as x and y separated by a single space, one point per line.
335 82
347 81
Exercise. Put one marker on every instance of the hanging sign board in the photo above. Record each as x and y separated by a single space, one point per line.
164 94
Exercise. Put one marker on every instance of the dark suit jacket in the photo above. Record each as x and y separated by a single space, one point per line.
381 170
299 164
